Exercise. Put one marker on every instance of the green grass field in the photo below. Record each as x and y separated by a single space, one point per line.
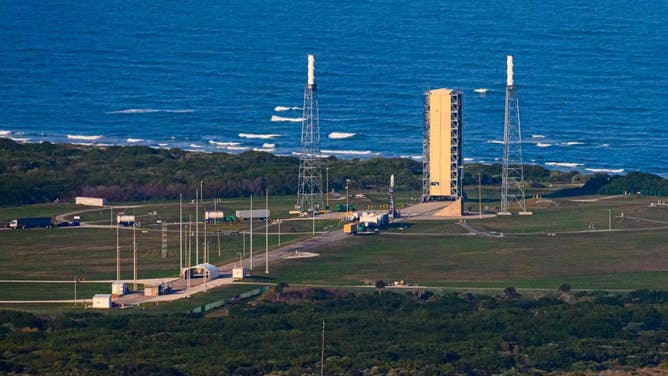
419 252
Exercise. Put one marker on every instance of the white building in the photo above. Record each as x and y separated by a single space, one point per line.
102 301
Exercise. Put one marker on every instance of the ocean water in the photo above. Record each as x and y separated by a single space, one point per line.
229 76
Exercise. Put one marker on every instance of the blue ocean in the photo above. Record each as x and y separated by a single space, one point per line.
229 76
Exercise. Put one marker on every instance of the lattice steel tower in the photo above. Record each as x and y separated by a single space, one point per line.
512 185
309 193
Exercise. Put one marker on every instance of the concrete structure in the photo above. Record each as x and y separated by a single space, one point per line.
102 301
90 201
442 146
118 288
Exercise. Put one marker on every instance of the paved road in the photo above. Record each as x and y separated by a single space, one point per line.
180 285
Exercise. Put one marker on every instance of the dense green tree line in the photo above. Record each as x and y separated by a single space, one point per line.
33 173
417 334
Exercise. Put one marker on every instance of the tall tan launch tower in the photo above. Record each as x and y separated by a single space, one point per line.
442 148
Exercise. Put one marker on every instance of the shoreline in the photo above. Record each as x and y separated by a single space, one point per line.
234 148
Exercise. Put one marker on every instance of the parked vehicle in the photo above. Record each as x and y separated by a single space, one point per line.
26 223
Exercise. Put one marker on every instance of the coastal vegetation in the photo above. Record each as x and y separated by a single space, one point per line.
44 172
413 332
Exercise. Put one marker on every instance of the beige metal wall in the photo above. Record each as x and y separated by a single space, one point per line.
439 142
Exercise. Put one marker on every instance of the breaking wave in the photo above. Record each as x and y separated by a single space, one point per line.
5 133
348 152
268 146
606 170
134 140
288 119
260 136
571 143
284 108
83 137
341 135
563 164
149 111
543 145
495 142
224 144
238 148
537 136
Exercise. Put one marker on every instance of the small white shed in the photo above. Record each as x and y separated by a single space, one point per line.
238 273
102 301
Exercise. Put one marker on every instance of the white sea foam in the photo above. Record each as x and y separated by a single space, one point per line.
606 170
284 108
288 119
196 146
83 137
348 152
543 145
468 159
134 140
266 150
5 133
571 143
149 111
268 146
481 90
563 164
20 139
238 148
341 135
223 144
605 145
537 136
162 145
260 136
495 142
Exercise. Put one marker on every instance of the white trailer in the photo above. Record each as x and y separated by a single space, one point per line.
214 216
90 201
253 214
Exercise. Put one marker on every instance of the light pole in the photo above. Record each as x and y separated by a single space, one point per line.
347 195
479 197
327 185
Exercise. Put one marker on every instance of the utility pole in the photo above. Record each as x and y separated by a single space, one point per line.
266 233
180 233
322 350
196 227
327 185
251 233
347 195
134 252
479 196
118 255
